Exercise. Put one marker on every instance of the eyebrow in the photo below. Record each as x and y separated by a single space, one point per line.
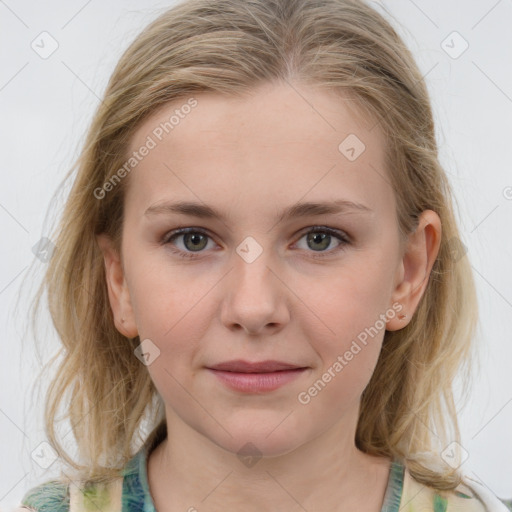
297 210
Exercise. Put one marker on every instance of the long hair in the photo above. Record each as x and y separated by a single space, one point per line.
230 46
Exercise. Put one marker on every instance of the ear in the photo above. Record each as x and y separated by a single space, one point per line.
118 292
414 270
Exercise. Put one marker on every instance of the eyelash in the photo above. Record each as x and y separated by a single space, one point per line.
342 237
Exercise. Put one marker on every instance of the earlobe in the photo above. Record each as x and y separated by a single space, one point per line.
414 270
118 292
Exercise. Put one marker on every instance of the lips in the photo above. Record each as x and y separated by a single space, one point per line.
241 366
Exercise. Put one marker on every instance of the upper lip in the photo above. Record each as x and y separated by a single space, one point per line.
242 366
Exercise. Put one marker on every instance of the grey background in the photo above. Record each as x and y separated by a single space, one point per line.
47 103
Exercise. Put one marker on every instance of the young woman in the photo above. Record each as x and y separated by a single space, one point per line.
257 264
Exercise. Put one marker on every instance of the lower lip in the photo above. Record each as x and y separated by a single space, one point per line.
257 382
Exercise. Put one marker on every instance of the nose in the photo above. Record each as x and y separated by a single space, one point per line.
255 297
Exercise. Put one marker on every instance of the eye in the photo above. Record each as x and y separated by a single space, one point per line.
319 238
195 240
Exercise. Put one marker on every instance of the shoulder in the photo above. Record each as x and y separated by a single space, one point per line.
57 496
105 496
52 496
486 496
469 496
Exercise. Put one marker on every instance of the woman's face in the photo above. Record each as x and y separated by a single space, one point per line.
268 279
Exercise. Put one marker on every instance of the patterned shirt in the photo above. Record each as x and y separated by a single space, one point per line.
131 493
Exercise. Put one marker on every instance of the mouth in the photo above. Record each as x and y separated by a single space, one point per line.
241 366
256 377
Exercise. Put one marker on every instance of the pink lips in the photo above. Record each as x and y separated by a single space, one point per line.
256 377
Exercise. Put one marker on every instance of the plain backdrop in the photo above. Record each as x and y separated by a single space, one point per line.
464 50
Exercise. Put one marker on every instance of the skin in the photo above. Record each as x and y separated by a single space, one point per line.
250 158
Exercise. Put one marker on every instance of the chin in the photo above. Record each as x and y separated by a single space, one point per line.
257 438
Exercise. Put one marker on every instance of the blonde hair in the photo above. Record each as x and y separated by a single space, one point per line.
229 46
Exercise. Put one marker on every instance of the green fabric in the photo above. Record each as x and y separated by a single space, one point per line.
50 496
440 503
53 496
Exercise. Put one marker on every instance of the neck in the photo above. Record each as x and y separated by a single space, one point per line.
187 471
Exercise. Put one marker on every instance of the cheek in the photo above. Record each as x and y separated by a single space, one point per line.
343 303
178 331
173 312
170 304
345 322
346 359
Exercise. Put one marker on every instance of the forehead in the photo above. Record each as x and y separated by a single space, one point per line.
276 145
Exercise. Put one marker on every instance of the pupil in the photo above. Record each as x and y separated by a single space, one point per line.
195 239
318 238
